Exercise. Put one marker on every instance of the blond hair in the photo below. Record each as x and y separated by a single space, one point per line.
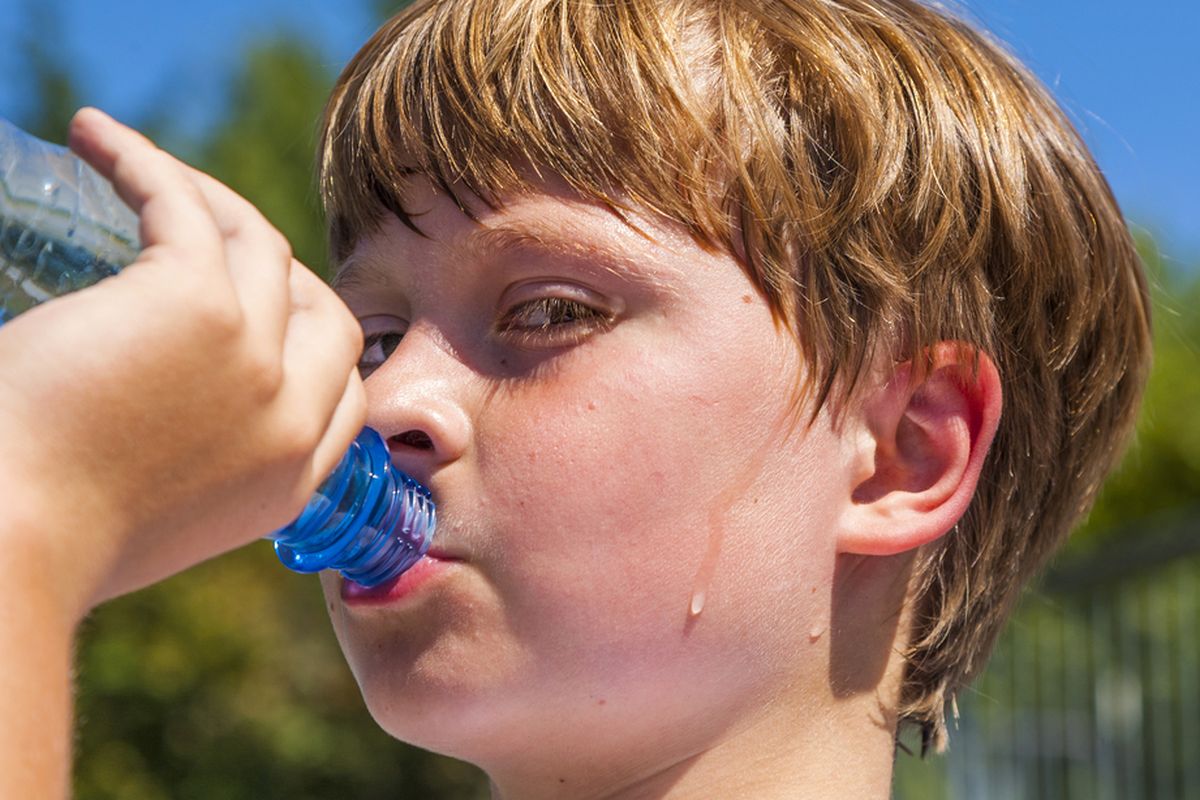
889 178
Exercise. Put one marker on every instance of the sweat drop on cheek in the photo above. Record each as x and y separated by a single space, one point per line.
63 228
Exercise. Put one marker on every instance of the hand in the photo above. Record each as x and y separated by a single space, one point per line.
182 408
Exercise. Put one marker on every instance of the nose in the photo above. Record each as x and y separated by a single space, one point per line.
417 400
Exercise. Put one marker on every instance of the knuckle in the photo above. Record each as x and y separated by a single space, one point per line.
221 319
232 227
281 246
264 375
132 164
298 437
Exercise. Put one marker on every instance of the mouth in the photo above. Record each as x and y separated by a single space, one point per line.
413 582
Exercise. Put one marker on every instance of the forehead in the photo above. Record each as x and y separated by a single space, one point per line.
548 224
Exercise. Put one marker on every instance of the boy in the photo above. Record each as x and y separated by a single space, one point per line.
744 280
696 318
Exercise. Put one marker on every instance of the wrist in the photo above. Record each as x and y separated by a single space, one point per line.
42 563
37 632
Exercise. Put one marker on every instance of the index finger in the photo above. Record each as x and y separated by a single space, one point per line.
173 212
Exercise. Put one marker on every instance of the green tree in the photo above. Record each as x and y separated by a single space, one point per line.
53 94
386 8
264 149
1160 474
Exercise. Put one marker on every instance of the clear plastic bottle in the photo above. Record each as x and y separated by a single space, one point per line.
63 228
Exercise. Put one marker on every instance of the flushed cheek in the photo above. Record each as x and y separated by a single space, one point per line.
666 412
610 459
605 487
608 494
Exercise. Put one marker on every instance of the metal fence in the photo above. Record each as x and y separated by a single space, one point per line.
1094 689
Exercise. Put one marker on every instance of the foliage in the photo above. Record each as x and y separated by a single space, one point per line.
265 147
53 94
386 8
1161 471
225 682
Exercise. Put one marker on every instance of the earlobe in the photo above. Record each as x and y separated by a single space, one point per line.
924 440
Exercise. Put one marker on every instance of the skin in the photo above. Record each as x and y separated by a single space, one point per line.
171 413
606 419
594 470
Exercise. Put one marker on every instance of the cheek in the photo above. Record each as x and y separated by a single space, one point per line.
612 489
584 484
614 451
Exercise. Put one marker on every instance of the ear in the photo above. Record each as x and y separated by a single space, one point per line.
921 445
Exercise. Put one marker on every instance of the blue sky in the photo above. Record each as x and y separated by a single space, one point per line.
1127 75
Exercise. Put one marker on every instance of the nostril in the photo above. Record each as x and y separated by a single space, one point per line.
418 440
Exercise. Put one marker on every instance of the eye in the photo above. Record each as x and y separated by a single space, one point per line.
381 337
551 322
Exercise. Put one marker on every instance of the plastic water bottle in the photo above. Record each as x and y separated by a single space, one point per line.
63 228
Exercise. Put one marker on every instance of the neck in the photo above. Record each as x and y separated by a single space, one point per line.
788 754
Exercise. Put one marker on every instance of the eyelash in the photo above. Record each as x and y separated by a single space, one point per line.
563 322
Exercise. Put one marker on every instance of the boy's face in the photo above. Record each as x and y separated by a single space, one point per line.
606 422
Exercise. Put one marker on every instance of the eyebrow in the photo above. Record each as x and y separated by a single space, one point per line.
358 273
605 255
367 273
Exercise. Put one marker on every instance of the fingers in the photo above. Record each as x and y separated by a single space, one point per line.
99 139
192 211
287 314
258 256
348 418
173 213
323 340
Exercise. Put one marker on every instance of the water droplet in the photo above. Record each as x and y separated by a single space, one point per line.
718 519
704 575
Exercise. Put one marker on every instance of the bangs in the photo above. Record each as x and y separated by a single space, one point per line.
483 95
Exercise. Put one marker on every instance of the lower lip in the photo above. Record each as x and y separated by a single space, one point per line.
408 584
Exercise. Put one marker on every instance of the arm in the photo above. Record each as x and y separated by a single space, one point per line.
178 410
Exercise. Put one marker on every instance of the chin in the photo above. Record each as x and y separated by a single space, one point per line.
439 689
471 725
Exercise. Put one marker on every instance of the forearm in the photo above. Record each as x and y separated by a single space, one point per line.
36 634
